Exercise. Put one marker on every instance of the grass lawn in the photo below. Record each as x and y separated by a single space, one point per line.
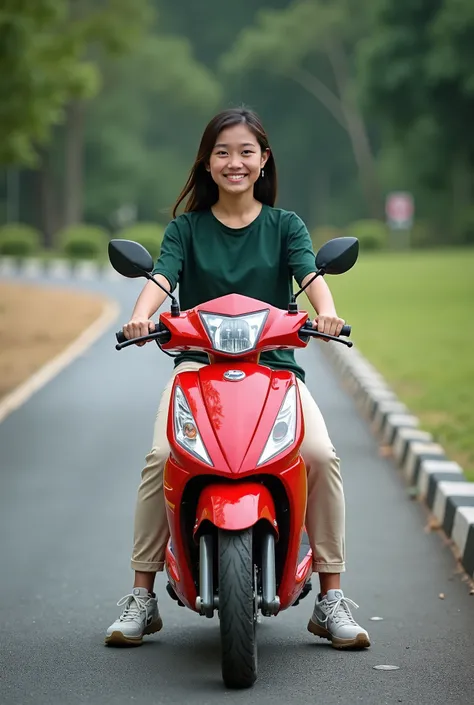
413 317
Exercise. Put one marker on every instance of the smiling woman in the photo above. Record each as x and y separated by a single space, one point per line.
234 159
231 239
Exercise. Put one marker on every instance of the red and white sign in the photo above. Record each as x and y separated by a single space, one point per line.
400 209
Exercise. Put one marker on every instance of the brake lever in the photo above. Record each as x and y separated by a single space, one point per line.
335 338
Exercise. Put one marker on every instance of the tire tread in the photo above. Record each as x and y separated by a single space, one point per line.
236 608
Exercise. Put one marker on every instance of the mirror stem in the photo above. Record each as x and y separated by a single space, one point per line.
175 311
292 306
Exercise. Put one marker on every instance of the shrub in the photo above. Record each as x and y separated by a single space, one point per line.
150 235
19 240
84 241
322 234
372 234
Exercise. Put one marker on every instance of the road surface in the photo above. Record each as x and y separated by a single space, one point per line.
70 464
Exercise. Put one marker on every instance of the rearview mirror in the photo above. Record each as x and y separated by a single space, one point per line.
130 259
338 256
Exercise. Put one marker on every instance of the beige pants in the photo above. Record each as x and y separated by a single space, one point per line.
325 510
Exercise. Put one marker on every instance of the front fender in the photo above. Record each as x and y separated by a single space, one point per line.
235 506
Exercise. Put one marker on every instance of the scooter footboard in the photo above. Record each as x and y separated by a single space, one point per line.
235 506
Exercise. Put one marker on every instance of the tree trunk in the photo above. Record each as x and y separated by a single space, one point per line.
73 168
345 111
357 130
49 202
316 87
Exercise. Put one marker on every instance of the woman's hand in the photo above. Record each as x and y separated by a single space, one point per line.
330 324
137 327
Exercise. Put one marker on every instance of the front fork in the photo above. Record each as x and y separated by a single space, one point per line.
207 601
265 588
270 603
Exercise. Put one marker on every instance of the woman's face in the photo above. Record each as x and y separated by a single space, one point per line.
236 160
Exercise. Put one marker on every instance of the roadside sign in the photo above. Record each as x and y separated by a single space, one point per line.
399 209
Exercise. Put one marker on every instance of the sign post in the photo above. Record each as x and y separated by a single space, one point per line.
400 210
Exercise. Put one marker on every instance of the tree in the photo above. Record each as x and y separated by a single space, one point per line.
417 78
285 41
111 27
40 71
143 127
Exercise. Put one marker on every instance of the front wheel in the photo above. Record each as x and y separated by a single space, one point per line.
237 608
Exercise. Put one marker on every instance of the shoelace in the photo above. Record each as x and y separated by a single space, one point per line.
134 607
343 615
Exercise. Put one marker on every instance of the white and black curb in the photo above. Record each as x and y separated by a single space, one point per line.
432 477
57 269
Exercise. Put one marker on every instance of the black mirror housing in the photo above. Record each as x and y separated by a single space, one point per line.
130 259
338 255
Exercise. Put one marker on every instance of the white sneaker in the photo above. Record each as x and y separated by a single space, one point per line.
140 616
332 619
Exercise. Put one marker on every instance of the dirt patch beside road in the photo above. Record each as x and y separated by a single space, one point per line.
36 324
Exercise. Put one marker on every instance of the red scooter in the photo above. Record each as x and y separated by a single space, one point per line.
235 482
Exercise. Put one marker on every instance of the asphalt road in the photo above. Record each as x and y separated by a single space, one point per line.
70 462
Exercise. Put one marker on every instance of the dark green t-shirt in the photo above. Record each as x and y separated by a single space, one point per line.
207 259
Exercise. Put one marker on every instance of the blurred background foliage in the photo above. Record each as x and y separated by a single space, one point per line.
103 102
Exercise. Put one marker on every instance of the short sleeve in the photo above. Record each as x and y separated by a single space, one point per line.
170 262
301 258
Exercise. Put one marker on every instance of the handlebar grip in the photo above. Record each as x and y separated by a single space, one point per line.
121 338
308 328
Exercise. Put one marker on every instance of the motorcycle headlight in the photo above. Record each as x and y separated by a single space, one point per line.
284 429
185 428
234 334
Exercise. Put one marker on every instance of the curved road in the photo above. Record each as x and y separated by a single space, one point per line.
70 464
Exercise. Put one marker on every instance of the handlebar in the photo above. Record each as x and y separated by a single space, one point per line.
163 336
307 329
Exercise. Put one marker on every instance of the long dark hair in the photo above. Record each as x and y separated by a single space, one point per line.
200 187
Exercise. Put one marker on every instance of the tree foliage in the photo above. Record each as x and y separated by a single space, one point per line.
143 128
291 43
358 98
40 71
417 77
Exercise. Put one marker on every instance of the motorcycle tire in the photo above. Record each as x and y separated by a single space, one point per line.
237 608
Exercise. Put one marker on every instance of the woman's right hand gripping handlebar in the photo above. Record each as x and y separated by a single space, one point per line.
137 327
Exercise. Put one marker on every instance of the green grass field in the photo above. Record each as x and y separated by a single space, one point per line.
413 317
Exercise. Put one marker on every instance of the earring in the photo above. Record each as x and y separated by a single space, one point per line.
263 173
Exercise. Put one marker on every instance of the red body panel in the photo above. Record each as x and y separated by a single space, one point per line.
188 331
234 419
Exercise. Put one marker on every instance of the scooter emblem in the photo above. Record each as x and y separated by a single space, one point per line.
234 375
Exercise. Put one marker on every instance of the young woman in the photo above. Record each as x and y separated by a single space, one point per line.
231 239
